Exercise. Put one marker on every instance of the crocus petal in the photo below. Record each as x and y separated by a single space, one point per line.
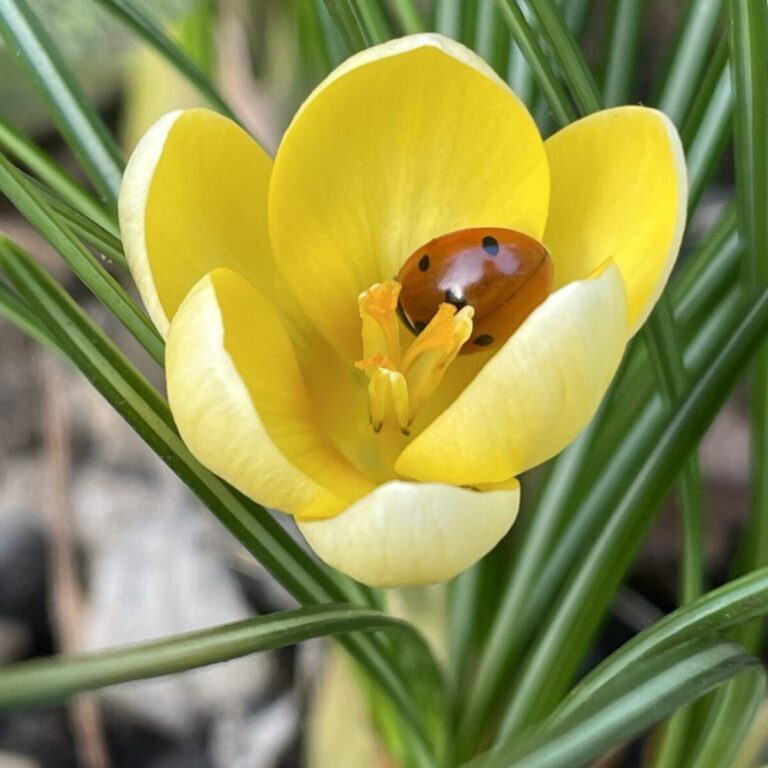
239 401
404 142
535 395
619 191
413 533
193 198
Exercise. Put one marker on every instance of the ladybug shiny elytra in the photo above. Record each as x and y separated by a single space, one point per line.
503 274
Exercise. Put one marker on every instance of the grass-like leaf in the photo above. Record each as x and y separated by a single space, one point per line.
39 213
83 227
345 15
568 54
690 58
75 117
47 681
134 18
24 151
649 691
622 52
712 615
15 310
550 85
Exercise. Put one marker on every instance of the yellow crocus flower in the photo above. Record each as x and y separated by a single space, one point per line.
288 372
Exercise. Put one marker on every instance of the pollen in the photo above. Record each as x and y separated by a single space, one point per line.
400 383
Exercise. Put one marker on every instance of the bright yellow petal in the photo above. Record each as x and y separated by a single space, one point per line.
405 141
194 198
239 400
535 395
413 533
619 191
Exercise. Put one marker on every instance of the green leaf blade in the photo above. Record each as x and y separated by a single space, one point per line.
78 122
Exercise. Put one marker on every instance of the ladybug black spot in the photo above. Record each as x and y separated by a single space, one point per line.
490 245
424 263
484 340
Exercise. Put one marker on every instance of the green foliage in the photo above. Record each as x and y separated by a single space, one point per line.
509 694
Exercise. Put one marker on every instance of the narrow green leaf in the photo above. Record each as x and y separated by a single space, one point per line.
87 230
622 51
732 714
707 145
409 15
568 54
650 691
15 310
576 12
548 82
691 56
700 273
749 33
48 681
462 614
448 18
662 345
704 91
713 614
87 347
492 38
663 349
312 41
345 16
44 168
374 21
134 18
32 206
78 122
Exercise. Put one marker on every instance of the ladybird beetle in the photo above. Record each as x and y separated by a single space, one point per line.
503 274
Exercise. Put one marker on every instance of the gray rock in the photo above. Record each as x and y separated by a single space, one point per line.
241 739
154 575
8 760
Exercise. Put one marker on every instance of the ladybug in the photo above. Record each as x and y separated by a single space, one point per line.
503 274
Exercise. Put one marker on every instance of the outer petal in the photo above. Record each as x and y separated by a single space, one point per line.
535 395
412 533
619 190
193 198
405 141
239 401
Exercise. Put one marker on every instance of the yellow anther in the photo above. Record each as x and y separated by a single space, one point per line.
428 358
378 311
388 398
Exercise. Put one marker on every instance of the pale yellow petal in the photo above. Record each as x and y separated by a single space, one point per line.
619 191
534 395
194 198
241 406
413 533
404 142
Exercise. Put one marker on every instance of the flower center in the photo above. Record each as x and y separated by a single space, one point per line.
400 383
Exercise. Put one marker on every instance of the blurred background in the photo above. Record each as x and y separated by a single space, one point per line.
100 544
